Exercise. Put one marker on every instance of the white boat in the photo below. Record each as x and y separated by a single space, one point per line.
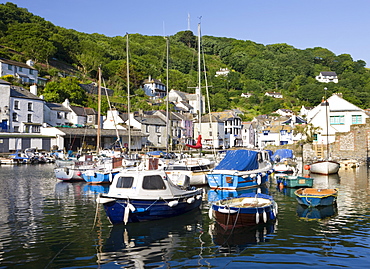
324 167
191 170
138 196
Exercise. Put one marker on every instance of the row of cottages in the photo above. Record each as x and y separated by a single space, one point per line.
276 130
220 129
28 121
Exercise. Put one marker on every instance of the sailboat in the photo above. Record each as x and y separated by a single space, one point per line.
192 170
326 166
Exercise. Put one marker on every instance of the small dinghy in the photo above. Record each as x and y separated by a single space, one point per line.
316 197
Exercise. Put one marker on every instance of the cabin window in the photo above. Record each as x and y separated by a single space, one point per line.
356 119
153 183
124 182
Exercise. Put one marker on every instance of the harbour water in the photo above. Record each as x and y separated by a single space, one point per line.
45 223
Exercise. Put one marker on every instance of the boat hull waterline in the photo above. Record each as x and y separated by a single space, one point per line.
316 197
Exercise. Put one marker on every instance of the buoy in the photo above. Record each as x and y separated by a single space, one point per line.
257 217
307 167
78 173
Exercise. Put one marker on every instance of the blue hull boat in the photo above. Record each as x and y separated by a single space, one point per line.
313 197
241 169
138 196
99 177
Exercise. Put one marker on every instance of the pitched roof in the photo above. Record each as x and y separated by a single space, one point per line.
328 73
19 92
56 106
11 62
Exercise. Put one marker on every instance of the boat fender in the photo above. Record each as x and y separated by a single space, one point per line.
259 190
259 179
199 196
253 175
275 208
131 207
210 213
257 217
126 214
190 200
173 203
263 174
226 210
264 216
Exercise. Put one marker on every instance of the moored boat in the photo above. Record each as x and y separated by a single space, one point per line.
293 181
324 167
138 196
241 169
316 197
245 210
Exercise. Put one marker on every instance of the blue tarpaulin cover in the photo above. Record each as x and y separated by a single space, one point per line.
241 160
283 154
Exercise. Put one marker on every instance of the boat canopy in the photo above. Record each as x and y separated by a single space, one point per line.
281 154
241 160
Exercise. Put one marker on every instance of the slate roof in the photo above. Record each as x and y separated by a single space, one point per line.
328 73
103 132
19 92
56 106
150 120
83 111
4 82
11 62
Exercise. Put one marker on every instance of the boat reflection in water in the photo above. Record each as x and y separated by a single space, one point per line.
317 213
218 194
94 189
238 239
325 181
140 245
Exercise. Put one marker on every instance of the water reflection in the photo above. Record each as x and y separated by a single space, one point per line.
238 239
138 245
316 213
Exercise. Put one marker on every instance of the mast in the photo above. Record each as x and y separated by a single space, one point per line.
128 96
327 125
167 101
199 93
98 135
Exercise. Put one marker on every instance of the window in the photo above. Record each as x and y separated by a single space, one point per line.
336 120
10 67
29 105
153 183
29 117
36 129
31 72
283 132
59 115
147 128
16 129
159 140
210 133
89 119
356 119
125 182
20 69
157 129
66 115
15 117
16 104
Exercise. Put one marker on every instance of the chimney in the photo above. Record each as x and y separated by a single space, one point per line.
30 63
33 89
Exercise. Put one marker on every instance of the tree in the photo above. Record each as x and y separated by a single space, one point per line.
66 88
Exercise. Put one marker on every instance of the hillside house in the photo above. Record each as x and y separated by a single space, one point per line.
222 72
274 94
24 72
154 88
187 102
327 76
246 95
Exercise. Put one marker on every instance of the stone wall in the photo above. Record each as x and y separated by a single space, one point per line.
353 144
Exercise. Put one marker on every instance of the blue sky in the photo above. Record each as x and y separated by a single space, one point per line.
338 25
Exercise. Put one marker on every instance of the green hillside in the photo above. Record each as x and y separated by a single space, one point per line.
62 53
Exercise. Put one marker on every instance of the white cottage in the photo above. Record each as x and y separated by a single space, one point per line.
337 114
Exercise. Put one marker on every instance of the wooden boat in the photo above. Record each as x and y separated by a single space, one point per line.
316 197
245 210
241 169
137 196
324 167
294 181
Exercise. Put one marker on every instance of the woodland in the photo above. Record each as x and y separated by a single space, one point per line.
68 58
